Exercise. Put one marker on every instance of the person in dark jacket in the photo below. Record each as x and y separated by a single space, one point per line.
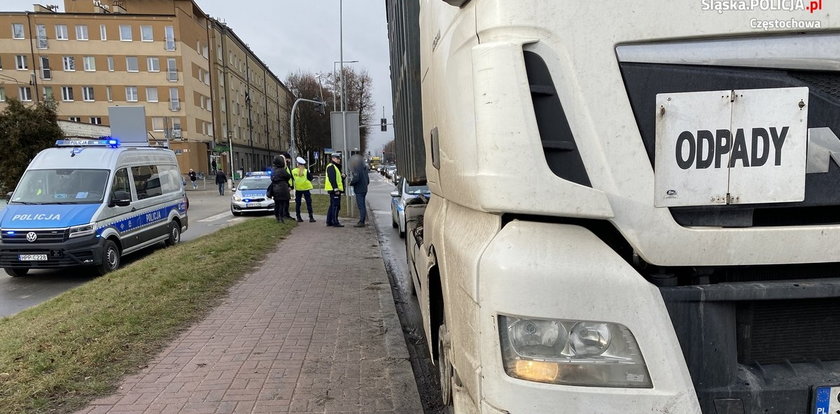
360 183
288 159
221 179
280 188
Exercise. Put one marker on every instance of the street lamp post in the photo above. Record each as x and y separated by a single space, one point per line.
292 147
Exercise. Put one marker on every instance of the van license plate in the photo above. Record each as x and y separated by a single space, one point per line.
32 257
826 400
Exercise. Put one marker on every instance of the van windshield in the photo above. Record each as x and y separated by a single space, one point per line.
61 187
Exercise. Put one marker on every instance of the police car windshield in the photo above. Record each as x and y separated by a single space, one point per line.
417 189
254 183
61 187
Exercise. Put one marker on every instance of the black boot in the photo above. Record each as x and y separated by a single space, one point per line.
311 219
300 220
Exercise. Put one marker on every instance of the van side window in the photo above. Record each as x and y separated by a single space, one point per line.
146 181
170 178
121 182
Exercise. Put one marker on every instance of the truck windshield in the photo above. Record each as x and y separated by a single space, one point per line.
61 187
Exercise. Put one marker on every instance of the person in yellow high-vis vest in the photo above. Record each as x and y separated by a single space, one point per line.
302 179
334 186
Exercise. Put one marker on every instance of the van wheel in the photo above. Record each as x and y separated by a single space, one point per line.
174 234
16 272
444 363
110 258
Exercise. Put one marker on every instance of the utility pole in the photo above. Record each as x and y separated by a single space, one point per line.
248 103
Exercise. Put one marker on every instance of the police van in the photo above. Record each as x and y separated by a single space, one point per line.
89 202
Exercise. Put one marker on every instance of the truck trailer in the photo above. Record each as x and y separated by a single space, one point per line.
635 204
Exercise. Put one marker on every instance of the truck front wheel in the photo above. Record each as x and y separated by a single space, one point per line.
444 363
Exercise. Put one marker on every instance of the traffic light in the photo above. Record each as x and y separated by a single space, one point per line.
320 107
383 124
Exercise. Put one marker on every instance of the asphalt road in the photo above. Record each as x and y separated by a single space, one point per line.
208 213
393 252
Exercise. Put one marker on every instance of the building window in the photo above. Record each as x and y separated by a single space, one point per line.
169 32
17 31
110 63
125 32
96 120
131 64
87 93
131 94
69 63
174 100
171 70
151 94
25 93
75 119
2 94
153 64
46 72
89 63
103 32
81 32
48 93
20 62
61 32
146 34
157 123
67 93
41 31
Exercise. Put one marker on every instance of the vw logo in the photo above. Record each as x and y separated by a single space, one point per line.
31 236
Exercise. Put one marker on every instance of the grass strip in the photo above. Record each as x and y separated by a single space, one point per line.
320 205
58 356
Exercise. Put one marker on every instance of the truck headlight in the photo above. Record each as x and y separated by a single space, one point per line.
85 230
568 352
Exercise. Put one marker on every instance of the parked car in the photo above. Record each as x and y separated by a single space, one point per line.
390 170
250 194
400 198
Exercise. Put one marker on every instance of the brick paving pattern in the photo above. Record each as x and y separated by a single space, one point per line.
304 333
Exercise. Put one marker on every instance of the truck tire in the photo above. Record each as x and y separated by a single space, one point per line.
174 234
110 258
444 363
16 272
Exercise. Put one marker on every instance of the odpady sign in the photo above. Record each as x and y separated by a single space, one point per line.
704 148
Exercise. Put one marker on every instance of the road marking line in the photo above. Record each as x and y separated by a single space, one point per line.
216 217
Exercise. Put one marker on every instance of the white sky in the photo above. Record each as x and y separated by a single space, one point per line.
303 35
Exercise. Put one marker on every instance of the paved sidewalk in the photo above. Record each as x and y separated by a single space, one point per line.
304 333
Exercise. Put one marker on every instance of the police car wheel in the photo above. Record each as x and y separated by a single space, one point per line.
174 234
16 272
110 258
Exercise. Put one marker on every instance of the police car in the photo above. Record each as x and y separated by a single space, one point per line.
250 194
90 202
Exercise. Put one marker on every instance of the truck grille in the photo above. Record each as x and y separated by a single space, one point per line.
774 332
43 236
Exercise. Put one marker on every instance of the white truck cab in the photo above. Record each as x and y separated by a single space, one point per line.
89 202
635 204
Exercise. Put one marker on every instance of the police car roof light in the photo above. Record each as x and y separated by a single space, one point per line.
257 174
111 143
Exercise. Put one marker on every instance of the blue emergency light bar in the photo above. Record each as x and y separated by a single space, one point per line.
110 142
258 174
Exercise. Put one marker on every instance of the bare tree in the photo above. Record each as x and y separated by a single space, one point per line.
359 97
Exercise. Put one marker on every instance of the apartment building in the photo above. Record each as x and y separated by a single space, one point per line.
154 53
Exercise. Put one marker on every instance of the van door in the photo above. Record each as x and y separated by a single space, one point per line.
121 185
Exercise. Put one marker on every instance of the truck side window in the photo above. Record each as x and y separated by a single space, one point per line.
146 181
121 182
